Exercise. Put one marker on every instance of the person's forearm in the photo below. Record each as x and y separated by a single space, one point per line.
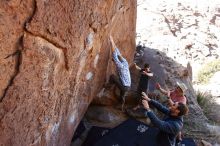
113 44
159 106
156 121
149 74
163 91
162 125
137 67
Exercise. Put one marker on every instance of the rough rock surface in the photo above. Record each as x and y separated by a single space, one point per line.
54 59
105 116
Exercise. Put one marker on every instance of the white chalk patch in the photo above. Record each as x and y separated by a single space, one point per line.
89 40
101 93
89 76
48 133
96 60
55 128
72 118
52 131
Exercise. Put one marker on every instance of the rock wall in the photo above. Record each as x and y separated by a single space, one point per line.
54 59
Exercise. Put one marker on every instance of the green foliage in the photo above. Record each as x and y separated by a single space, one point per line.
205 100
208 71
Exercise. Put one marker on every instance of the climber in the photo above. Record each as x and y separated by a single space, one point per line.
143 81
176 95
123 80
171 125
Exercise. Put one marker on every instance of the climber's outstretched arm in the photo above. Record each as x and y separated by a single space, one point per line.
113 44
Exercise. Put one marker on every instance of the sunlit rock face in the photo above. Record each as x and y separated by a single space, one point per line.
55 57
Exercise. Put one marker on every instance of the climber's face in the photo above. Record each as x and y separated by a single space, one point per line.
174 111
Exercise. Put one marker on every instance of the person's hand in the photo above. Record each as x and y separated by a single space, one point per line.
145 104
144 96
168 94
158 86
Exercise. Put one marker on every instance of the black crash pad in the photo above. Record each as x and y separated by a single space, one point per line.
128 133
95 134
79 130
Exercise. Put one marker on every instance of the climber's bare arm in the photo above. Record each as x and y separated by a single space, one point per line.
150 74
137 67
113 43
162 90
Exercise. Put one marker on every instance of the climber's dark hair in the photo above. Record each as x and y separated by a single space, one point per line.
183 109
146 65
